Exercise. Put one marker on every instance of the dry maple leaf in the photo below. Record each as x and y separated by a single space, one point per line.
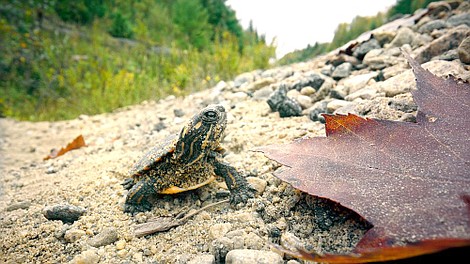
78 142
411 181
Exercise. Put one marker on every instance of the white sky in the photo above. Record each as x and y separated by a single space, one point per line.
297 23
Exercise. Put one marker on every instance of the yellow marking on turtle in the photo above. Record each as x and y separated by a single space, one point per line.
206 141
234 182
174 189
198 125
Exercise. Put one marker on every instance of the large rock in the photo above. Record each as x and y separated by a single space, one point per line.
358 82
379 59
404 36
342 71
464 51
459 20
279 102
433 25
365 47
405 82
448 41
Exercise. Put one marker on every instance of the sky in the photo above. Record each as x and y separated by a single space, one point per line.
296 23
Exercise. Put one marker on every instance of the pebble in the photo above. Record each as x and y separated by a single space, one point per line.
220 247
253 241
86 257
308 90
18 205
250 256
464 51
335 104
121 244
342 71
219 230
202 259
107 236
257 183
73 235
64 212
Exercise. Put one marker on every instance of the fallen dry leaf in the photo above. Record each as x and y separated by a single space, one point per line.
411 181
78 142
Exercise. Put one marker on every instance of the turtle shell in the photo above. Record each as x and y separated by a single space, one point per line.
154 155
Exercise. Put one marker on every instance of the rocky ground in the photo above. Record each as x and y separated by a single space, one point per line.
369 77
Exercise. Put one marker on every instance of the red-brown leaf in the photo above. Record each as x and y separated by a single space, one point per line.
410 180
78 142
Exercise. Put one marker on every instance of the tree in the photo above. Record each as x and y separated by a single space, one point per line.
191 19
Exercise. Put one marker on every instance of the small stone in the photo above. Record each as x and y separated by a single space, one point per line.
18 205
51 170
237 96
122 253
219 230
73 235
220 247
384 37
178 112
250 256
159 126
432 25
263 93
253 241
66 213
292 261
203 259
138 257
86 257
408 117
316 110
290 242
279 102
307 90
355 83
459 19
464 51
107 236
121 244
342 71
404 36
365 47
259 84
257 183
365 93
335 104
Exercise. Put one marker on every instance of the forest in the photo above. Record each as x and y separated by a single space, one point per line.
64 58
61 59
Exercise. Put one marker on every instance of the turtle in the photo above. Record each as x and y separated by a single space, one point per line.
185 162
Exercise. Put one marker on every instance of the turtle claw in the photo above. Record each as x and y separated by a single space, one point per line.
137 208
128 183
138 195
242 194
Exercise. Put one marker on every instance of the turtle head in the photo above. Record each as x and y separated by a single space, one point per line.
201 134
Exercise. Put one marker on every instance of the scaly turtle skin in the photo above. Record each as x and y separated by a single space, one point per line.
185 162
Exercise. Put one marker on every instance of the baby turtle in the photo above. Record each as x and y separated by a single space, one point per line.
185 162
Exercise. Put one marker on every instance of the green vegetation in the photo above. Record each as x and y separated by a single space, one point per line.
349 31
63 58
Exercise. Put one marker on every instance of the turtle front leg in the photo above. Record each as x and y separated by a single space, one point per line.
137 197
240 189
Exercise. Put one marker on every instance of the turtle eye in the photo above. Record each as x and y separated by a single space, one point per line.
210 115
